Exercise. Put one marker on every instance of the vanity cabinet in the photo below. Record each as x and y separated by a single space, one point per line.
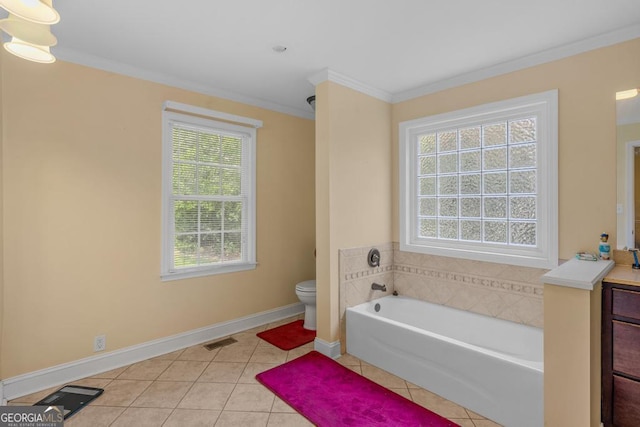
620 355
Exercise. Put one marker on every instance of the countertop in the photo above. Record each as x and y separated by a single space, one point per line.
579 274
623 275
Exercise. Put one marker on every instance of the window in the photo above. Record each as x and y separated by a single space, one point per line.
208 196
481 183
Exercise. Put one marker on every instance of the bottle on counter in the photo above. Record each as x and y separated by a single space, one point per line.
604 248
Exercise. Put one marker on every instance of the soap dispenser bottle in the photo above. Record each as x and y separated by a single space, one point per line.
604 248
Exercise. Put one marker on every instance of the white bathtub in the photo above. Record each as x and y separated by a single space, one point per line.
493 367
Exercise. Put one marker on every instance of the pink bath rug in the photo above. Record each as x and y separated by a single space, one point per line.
331 395
289 336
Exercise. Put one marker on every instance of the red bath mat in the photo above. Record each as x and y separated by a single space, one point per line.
288 336
331 395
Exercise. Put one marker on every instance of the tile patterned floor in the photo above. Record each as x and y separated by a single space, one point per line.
197 387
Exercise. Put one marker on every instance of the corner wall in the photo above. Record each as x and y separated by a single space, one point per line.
82 198
353 187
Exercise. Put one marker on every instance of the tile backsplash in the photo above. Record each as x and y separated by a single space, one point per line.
497 290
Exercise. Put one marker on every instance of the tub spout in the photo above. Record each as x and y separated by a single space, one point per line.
378 287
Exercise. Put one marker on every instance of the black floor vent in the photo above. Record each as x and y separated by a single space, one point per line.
221 343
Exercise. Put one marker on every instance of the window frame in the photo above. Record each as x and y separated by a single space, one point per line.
168 271
545 254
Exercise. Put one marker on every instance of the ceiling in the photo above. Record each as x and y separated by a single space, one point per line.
399 47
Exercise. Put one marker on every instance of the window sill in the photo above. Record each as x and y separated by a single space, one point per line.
210 271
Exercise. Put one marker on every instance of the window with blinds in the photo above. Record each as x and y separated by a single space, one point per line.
481 183
208 196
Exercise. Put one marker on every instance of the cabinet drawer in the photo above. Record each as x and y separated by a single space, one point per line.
626 303
626 402
626 348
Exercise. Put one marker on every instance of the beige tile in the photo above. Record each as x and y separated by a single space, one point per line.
121 392
112 374
250 398
174 355
142 417
348 360
183 370
244 419
163 394
192 418
268 354
253 369
255 330
198 353
281 406
248 338
356 368
32 398
288 420
485 423
437 404
463 422
404 392
94 416
382 377
147 370
474 416
222 372
234 353
299 351
207 396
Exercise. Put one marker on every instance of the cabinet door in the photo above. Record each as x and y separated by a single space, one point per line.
626 402
626 348
626 303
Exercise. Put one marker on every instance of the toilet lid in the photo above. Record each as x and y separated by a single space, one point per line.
307 286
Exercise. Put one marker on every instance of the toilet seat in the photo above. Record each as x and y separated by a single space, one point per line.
307 287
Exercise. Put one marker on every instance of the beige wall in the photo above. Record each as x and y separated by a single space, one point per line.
624 134
586 142
353 186
587 201
82 188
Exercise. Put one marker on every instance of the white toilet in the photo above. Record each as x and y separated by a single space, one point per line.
306 292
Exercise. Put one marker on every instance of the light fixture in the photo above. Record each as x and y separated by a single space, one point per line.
29 51
38 11
626 94
312 101
29 26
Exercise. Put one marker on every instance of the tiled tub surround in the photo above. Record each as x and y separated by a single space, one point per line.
356 277
498 290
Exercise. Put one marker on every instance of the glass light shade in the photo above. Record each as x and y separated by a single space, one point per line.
625 94
32 10
30 32
30 52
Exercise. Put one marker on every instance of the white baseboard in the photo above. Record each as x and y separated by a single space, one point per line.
329 349
32 382
3 401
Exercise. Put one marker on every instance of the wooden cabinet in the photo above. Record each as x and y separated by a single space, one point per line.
620 355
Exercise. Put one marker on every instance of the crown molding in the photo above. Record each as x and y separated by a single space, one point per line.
76 57
554 54
343 80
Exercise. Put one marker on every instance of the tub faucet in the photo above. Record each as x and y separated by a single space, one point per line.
378 287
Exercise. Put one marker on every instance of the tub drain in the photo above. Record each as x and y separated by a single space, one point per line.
376 307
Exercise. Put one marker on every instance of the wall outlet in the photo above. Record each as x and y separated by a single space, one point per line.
99 343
